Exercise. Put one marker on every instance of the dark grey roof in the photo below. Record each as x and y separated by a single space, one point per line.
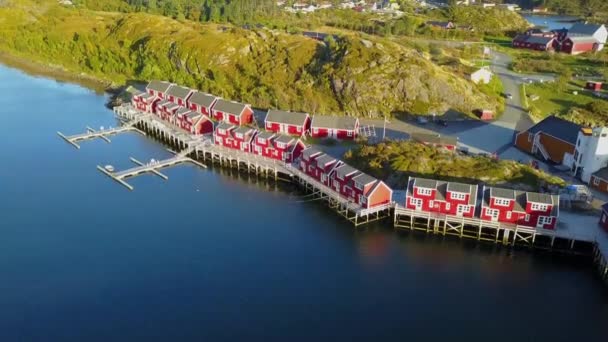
310 151
182 111
172 105
324 159
558 128
229 107
425 183
502 193
364 179
265 135
336 122
584 29
602 173
159 86
345 170
281 116
224 125
285 139
179 92
441 191
164 103
520 201
539 40
193 114
536 197
431 138
460 187
202 99
243 130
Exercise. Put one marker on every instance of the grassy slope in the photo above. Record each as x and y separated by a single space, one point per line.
395 161
265 68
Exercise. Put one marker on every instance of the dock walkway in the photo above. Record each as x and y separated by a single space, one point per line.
101 134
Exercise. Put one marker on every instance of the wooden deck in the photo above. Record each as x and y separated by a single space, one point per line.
101 134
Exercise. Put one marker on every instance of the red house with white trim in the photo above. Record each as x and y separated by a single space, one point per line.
280 147
201 103
360 188
575 45
308 160
318 165
179 116
530 209
291 123
144 102
336 127
448 198
232 112
166 110
195 123
223 135
158 88
178 94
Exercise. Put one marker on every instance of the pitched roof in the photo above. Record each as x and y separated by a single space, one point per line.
161 86
425 183
559 128
202 99
146 96
182 111
243 130
539 40
459 187
345 170
582 39
193 114
225 125
310 152
164 103
536 197
179 91
285 139
437 139
602 173
584 29
502 193
336 122
325 159
265 135
291 118
229 107
364 179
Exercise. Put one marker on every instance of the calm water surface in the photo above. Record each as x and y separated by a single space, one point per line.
209 256
551 22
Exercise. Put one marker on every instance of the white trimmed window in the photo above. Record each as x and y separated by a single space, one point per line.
527 218
349 133
359 186
508 215
416 202
493 213
458 196
596 181
539 207
503 202
543 220
315 130
424 191
461 209
431 204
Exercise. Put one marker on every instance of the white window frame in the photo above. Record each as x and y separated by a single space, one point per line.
424 191
461 209
493 213
527 218
508 215
503 202
596 181
432 204
416 202
448 206
539 207
349 134
458 196
543 220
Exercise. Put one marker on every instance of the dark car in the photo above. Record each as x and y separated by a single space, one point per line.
509 96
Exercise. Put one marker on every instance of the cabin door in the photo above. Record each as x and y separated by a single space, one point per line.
333 133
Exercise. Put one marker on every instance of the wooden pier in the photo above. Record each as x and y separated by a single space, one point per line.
101 134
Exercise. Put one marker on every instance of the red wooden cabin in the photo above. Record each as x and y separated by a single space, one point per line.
448 198
166 110
158 88
292 123
308 160
223 135
575 45
594 85
340 179
368 192
201 103
232 112
179 116
337 127
197 123
528 209
319 166
178 94
280 147
144 102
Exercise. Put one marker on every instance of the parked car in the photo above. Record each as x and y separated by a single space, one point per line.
509 96
422 120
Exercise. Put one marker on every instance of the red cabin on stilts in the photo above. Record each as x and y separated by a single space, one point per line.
202 103
232 112
280 147
179 95
336 127
449 198
144 102
534 210
158 88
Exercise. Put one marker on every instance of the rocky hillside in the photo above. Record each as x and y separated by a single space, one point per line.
347 75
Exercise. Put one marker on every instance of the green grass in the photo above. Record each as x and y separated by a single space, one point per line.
396 161
552 100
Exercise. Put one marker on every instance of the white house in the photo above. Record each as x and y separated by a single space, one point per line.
591 152
598 32
482 75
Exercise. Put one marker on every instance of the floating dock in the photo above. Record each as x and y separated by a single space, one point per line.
101 134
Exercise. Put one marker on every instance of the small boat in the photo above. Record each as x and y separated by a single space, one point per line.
109 168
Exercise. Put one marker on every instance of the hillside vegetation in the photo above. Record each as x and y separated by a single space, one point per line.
267 68
396 161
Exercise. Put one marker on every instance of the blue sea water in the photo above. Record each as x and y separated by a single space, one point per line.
213 256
